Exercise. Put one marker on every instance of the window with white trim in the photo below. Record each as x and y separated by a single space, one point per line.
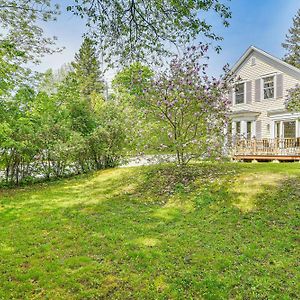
249 129
268 87
239 93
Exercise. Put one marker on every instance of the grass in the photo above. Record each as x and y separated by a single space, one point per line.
228 231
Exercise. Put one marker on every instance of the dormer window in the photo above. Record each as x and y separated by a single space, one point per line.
239 93
268 87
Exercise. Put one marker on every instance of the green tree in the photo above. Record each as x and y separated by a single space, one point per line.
22 38
20 23
189 109
18 147
293 99
87 69
133 79
9 68
292 43
135 30
50 80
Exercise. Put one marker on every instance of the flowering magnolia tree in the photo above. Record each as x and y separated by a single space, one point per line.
293 99
189 109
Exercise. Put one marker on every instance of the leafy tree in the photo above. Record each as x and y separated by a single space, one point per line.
9 69
189 109
135 30
292 43
293 99
50 80
18 146
133 80
87 69
19 23
108 140
55 135
80 115
22 39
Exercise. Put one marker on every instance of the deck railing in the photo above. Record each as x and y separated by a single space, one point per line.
278 146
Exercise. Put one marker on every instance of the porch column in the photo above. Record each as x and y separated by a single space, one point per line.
233 128
297 128
281 129
272 129
252 129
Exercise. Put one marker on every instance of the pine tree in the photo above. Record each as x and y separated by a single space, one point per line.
292 43
87 69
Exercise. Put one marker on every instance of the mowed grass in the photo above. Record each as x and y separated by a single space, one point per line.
226 231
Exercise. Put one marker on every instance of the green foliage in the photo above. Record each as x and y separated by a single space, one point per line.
103 236
130 31
22 39
47 136
133 80
50 80
292 43
87 69
9 68
20 21
187 108
293 99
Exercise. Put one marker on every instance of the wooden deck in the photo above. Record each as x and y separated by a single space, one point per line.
266 149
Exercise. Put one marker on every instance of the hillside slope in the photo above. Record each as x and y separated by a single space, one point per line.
207 232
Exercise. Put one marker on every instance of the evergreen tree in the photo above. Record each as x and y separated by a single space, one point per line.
87 69
292 43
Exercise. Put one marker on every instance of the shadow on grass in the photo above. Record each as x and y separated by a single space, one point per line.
121 234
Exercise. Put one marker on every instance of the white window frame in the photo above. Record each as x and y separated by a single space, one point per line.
262 96
245 92
285 117
243 125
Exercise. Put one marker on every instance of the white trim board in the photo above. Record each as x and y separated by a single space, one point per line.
268 58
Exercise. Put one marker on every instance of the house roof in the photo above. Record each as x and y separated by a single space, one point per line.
268 58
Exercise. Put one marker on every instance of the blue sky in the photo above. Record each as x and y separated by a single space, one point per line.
262 23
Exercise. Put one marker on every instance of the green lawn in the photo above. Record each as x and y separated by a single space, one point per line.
227 231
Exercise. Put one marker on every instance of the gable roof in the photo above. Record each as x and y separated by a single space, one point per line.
267 58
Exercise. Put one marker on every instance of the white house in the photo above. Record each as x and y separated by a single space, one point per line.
260 121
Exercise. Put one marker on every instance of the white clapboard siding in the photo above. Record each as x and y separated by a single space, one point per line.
249 92
253 69
258 129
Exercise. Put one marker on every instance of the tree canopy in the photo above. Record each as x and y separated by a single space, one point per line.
293 99
185 109
135 30
292 43
22 38
86 66
133 79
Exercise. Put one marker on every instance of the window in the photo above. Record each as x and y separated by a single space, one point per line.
253 62
268 87
239 93
249 129
289 129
